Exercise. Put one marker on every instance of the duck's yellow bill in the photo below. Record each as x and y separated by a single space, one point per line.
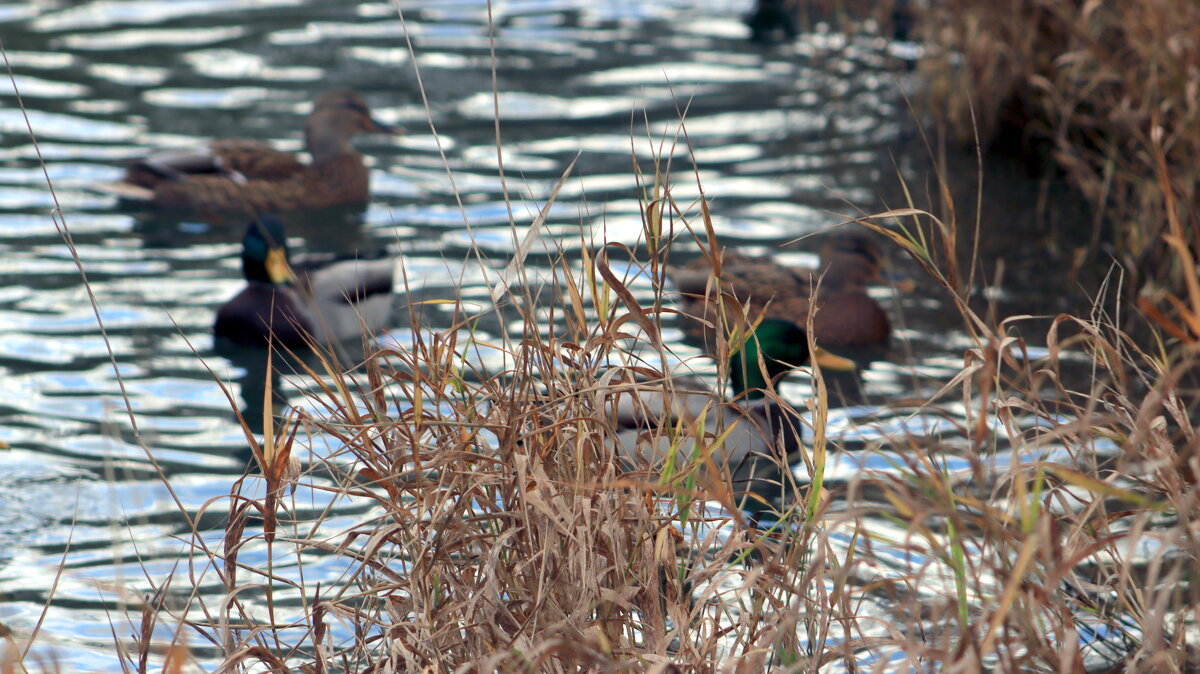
277 267
828 361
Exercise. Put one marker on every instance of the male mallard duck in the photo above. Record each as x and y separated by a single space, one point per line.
762 437
846 316
322 301
248 176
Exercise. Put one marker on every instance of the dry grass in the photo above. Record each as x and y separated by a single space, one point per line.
503 534
1112 89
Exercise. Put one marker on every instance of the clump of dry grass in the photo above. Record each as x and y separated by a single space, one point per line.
1112 89
1071 541
502 533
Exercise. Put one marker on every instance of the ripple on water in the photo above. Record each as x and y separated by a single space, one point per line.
37 87
34 497
61 174
81 320
518 106
599 186
226 98
238 65
64 127
321 31
42 198
485 156
61 350
757 125
387 56
129 75
490 213
500 240
661 74
389 185
151 37
105 13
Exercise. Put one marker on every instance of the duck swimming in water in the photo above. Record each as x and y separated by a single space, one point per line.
759 438
772 17
846 317
249 177
325 301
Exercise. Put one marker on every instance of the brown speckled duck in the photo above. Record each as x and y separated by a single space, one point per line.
248 176
847 316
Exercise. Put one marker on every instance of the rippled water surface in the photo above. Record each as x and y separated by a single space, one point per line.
786 138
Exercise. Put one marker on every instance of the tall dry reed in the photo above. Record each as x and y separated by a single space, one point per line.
1110 89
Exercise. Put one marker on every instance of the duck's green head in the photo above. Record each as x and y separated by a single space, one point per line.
784 347
265 252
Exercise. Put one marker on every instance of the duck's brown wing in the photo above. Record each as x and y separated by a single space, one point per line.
845 317
333 184
219 193
851 319
255 159
236 159
172 166
755 282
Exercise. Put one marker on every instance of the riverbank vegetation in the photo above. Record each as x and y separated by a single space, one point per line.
1108 92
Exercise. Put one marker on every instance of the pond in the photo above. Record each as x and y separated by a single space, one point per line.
789 139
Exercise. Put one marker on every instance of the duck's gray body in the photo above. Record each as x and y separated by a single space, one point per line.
758 440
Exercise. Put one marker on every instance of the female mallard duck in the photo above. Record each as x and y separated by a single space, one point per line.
846 315
754 438
248 176
327 301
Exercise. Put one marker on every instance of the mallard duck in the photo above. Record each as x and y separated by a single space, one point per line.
770 17
248 176
847 317
757 437
320 301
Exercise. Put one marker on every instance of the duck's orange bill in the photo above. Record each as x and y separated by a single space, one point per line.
828 361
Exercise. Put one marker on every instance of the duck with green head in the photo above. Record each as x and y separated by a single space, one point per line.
248 176
759 438
319 301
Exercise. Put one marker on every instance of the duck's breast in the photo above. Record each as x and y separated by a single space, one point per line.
343 179
262 313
